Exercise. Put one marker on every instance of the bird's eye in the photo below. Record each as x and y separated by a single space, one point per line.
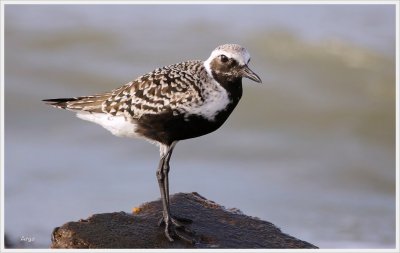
224 58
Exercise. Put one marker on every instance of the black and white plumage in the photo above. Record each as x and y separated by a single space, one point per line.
170 104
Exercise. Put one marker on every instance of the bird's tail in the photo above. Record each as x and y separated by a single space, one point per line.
87 103
59 102
92 103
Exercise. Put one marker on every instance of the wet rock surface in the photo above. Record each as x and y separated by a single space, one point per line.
213 227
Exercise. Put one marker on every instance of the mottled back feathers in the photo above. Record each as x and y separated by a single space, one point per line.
176 87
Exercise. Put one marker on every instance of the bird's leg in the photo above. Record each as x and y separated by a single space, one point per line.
162 175
175 220
161 184
166 170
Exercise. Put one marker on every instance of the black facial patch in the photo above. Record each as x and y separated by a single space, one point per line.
228 71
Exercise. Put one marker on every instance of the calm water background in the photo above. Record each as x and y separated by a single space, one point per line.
312 149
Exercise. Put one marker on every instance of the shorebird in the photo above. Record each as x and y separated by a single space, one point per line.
172 103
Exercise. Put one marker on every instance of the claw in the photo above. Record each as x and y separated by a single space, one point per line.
185 238
174 228
169 237
175 220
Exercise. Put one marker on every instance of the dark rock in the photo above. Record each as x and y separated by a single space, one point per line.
213 225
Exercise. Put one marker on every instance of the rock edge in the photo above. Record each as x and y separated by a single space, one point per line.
214 227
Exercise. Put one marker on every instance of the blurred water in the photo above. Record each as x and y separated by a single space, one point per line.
312 149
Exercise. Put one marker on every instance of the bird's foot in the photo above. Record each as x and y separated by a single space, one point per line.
178 221
175 228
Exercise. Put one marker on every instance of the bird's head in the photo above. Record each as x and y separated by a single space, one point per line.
229 62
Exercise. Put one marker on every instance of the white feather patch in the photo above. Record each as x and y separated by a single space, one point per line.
216 100
117 125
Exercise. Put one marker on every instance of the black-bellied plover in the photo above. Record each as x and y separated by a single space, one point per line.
170 104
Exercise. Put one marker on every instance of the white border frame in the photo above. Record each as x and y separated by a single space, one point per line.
77 2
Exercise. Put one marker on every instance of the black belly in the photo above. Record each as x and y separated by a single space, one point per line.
167 128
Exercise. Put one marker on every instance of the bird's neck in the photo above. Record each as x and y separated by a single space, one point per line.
232 86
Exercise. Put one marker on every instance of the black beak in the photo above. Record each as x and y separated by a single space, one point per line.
247 72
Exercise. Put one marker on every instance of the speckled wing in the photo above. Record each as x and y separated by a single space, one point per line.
175 87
